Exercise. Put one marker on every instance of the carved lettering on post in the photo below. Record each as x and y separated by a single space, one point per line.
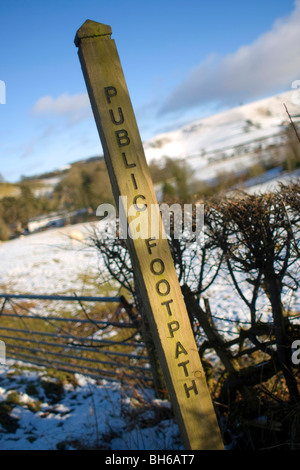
151 257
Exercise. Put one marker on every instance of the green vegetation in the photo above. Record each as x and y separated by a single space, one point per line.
8 189
84 185
292 161
176 179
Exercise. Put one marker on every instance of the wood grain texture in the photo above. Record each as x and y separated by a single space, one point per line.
152 261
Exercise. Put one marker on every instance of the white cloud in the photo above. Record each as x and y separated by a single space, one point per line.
266 66
74 108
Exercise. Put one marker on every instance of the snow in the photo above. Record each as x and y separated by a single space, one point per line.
89 415
206 143
92 414
260 119
271 181
48 262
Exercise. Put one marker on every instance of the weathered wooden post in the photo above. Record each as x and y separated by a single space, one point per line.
151 257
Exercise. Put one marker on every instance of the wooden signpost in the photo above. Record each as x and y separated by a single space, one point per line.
151 257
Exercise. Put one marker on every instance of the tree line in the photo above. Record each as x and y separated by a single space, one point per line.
86 185
82 186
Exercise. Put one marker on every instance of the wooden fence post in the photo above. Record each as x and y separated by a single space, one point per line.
151 257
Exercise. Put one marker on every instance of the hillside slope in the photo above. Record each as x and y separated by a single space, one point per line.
227 141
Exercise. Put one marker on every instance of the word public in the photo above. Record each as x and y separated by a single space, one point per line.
156 265
138 219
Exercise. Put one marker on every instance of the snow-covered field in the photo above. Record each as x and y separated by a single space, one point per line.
49 262
87 415
104 414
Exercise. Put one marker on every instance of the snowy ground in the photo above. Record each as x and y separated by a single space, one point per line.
85 415
48 262
271 180
100 415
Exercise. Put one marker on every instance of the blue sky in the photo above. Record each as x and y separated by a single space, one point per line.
182 60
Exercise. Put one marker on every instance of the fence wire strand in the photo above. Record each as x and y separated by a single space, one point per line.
68 350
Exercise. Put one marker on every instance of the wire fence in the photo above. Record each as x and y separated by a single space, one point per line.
100 337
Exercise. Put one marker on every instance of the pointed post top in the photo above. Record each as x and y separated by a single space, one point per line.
91 29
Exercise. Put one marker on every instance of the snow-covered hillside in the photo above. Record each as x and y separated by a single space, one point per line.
226 141
221 143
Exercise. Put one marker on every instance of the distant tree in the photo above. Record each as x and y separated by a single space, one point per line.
176 176
169 192
28 205
9 210
5 232
84 186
